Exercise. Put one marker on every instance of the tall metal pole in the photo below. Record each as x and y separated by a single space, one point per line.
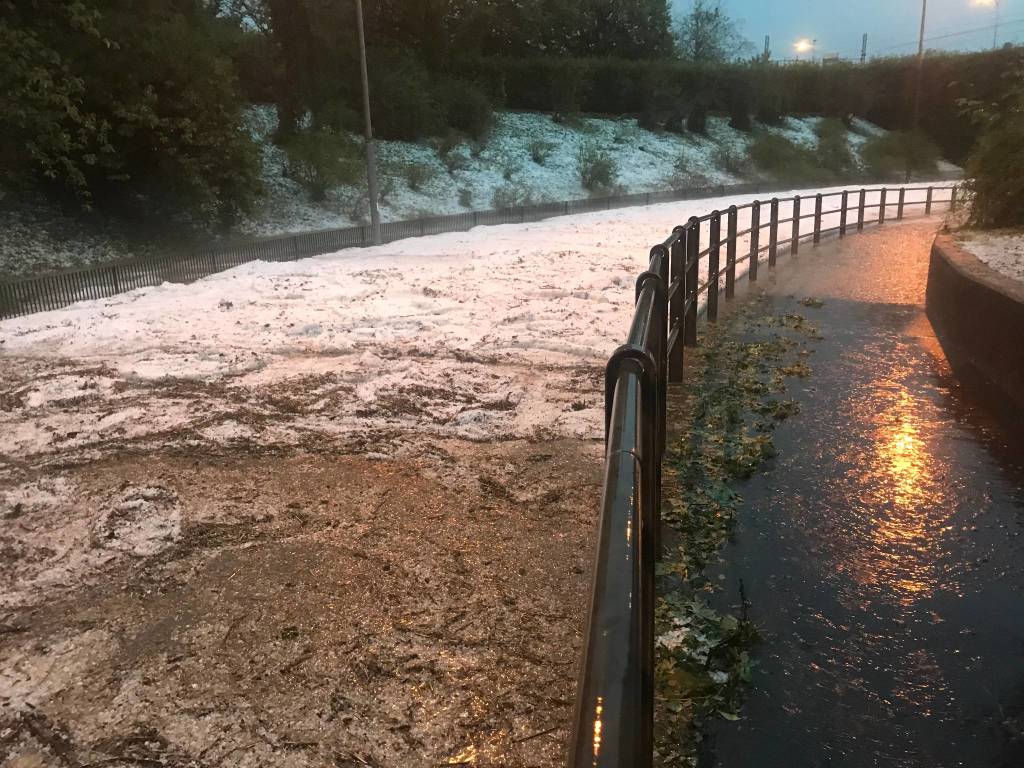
864 48
995 30
916 120
371 150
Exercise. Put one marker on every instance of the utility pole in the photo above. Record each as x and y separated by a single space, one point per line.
916 120
995 29
864 49
767 47
371 150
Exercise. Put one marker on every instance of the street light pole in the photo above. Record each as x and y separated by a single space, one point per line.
920 77
995 30
371 150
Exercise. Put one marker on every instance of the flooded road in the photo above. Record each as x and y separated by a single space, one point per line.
882 553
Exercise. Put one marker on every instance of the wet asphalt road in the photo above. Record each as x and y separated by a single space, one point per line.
882 551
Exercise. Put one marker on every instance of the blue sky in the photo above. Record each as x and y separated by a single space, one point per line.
891 25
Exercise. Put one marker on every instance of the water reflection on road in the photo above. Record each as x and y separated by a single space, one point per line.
883 559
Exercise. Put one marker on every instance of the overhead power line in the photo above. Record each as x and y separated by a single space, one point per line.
950 35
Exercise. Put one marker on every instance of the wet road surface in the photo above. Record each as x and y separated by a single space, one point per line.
882 553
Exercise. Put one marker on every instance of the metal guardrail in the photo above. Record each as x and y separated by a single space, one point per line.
613 722
24 296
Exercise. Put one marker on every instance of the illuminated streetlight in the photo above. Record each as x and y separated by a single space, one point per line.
804 44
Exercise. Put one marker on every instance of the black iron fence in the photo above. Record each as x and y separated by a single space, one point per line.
613 724
59 289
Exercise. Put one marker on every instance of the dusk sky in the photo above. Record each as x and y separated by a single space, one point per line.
892 25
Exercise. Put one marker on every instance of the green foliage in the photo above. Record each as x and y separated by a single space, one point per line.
465 107
596 168
697 119
736 163
782 160
417 174
321 160
511 195
708 34
455 161
833 153
996 166
540 150
889 156
404 106
466 197
830 161
703 656
128 105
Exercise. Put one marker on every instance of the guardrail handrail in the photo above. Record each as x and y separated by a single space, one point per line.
54 290
613 720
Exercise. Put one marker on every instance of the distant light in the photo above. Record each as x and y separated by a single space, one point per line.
985 3
803 45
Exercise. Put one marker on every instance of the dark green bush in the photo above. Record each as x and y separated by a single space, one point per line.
321 160
697 119
596 168
833 151
404 104
996 166
131 107
417 174
465 106
511 196
782 160
540 150
889 156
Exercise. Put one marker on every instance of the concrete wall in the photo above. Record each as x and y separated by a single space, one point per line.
978 315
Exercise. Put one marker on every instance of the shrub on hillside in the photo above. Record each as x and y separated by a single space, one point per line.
889 156
465 107
321 160
416 175
732 161
511 196
697 119
996 165
540 150
596 168
404 104
782 160
833 151
91 106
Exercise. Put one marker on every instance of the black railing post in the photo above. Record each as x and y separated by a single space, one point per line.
692 276
677 279
900 203
860 209
842 213
928 203
817 218
730 255
881 207
794 246
773 233
714 251
755 239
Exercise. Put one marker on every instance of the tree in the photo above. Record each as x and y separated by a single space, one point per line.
995 166
707 35
125 103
